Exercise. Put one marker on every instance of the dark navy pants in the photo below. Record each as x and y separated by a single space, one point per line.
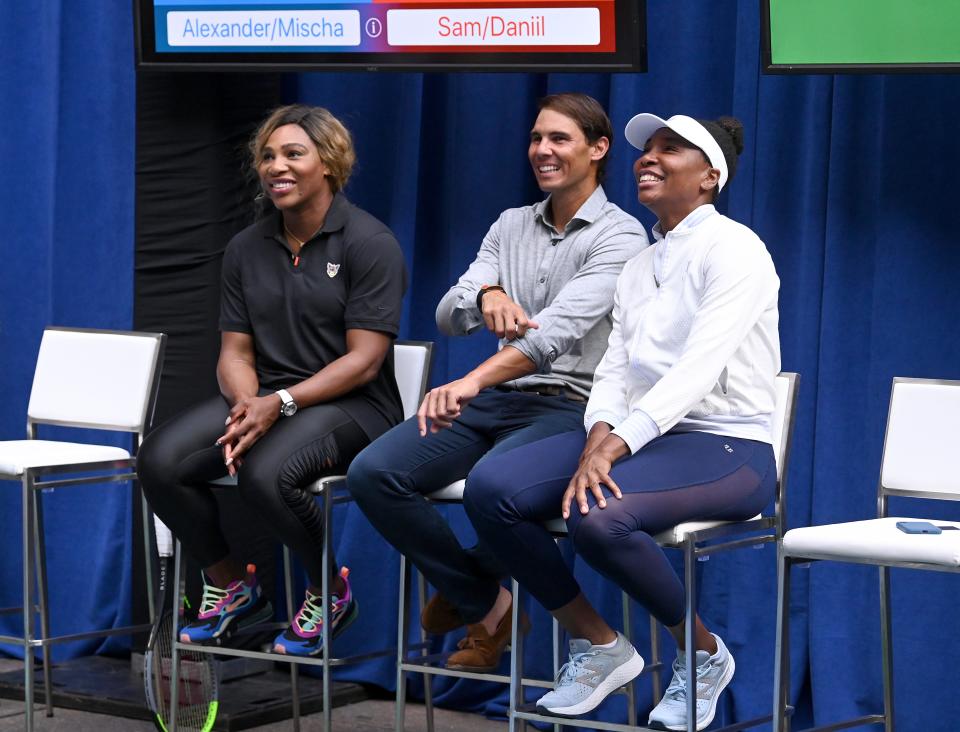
390 477
678 477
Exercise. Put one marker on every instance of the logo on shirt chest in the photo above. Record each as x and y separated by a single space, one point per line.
332 269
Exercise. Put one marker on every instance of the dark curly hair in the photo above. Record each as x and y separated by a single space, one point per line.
728 132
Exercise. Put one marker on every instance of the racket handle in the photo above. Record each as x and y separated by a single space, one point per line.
164 538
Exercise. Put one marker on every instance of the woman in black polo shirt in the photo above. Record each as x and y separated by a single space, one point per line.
310 306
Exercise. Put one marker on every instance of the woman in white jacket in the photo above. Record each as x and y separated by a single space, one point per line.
677 426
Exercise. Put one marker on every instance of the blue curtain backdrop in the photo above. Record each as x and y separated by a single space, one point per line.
849 180
66 197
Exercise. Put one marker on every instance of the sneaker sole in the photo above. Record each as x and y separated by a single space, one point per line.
711 711
345 622
232 628
620 676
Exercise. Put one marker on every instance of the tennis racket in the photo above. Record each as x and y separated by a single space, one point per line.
198 688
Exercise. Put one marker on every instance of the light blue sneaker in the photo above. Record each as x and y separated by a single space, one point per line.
589 676
713 674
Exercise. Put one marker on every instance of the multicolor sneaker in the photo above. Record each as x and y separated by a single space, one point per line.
591 674
713 674
304 637
224 612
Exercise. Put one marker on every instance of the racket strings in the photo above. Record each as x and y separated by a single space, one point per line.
196 687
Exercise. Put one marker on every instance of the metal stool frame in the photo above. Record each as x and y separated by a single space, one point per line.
696 544
37 480
788 558
332 491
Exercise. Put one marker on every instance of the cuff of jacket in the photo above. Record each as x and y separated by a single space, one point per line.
637 430
591 418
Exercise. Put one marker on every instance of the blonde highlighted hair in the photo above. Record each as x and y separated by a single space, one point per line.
333 141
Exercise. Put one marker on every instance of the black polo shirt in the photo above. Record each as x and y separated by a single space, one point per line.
350 275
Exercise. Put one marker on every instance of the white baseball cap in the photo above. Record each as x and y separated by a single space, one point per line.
642 126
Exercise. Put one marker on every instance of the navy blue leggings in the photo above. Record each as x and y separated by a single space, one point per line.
678 477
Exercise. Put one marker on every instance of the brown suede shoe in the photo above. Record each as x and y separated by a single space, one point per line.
480 651
440 616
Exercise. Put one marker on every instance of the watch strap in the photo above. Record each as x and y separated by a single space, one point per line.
484 289
285 399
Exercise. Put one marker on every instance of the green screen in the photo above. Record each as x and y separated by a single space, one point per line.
864 31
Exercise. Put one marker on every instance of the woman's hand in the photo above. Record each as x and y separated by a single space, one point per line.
597 434
594 471
443 405
249 420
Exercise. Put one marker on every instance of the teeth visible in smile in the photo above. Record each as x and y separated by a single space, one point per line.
648 178
281 185
548 168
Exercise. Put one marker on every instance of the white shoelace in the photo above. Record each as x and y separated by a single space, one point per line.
570 671
211 597
310 611
678 685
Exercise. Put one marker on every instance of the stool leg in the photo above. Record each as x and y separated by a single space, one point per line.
557 656
175 652
403 609
40 554
781 666
294 668
886 636
427 678
516 659
28 569
149 551
632 686
690 577
325 595
656 657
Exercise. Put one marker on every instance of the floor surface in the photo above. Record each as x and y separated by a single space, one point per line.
374 715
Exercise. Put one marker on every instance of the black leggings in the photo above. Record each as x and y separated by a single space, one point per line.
687 476
179 459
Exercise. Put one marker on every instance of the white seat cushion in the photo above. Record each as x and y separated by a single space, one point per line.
16 456
316 487
671 536
875 539
452 492
678 533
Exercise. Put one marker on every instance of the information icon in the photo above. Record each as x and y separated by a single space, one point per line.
374 27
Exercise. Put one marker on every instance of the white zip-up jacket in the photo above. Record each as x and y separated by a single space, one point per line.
694 345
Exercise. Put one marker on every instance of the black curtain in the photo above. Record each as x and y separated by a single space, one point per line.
194 191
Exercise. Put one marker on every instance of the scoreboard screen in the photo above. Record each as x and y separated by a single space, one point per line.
837 36
413 35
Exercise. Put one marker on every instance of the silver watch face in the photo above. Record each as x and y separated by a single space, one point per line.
288 409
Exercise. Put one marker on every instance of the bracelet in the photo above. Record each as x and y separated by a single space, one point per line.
484 289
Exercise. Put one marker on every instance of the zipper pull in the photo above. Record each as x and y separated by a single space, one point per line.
296 260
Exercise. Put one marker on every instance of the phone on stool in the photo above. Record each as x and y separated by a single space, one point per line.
919 527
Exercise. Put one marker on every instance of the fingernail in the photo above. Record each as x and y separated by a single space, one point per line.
228 421
228 462
603 504
217 443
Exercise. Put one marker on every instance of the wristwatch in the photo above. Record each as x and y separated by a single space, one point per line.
288 408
